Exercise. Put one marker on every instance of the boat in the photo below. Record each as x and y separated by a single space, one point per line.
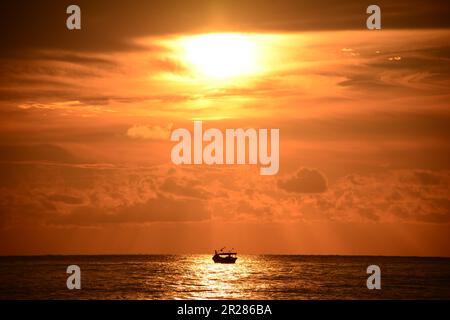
222 256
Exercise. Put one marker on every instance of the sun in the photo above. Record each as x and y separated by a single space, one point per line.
221 56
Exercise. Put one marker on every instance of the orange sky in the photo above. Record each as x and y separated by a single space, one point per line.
363 116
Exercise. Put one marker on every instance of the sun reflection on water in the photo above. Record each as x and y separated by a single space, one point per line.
205 279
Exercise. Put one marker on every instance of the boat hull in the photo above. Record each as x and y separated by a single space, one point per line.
219 259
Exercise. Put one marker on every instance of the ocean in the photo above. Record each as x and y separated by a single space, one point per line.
197 277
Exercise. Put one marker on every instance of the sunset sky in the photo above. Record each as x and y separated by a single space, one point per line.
86 117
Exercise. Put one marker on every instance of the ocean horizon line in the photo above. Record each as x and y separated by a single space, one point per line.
208 253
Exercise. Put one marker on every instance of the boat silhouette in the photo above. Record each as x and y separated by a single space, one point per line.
222 256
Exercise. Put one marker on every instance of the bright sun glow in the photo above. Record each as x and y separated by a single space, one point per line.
221 56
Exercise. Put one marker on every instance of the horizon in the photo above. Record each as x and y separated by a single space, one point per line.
209 254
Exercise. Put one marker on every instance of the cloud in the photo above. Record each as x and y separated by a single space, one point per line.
149 132
42 25
397 69
427 178
157 209
41 152
185 188
405 195
305 181
62 194
64 198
